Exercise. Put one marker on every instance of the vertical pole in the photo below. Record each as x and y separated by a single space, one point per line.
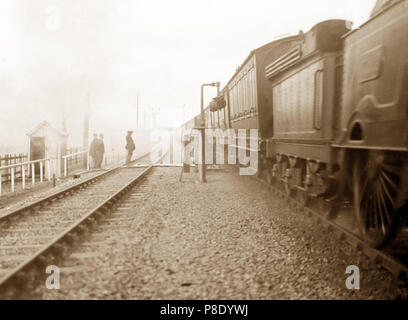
212 119
219 112
144 120
1 180
8 170
23 176
225 118
201 166
49 169
171 147
41 172
14 161
65 166
58 162
181 147
28 166
33 174
137 112
85 141
12 179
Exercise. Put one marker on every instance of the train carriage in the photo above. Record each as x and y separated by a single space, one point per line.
250 101
304 87
331 107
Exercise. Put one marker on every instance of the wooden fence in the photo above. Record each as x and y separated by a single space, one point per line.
74 160
10 159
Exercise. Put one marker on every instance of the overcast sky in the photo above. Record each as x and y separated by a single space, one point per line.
59 58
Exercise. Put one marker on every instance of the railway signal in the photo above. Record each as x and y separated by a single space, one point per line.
201 166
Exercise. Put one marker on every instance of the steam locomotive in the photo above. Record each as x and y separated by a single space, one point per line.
331 107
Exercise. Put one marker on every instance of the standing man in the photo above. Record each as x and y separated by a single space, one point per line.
101 150
93 151
130 146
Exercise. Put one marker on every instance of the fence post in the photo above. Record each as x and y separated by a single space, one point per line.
14 161
12 179
8 170
49 169
41 171
28 168
33 174
23 176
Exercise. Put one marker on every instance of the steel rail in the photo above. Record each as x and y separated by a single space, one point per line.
62 193
143 155
18 273
50 247
56 195
133 164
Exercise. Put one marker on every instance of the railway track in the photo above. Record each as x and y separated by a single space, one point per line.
390 258
79 260
146 159
33 236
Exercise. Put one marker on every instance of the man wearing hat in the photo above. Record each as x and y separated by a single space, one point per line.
130 146
93 151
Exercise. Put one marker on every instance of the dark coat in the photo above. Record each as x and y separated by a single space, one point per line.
100 147
130 145
93 150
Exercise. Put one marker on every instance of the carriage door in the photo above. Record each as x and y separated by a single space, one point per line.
37 151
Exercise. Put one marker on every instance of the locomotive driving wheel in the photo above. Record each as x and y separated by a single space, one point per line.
376 179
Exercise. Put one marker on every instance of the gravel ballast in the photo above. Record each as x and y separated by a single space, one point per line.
39 227
227 239
21 198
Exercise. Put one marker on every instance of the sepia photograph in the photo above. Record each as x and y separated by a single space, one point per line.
204 155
